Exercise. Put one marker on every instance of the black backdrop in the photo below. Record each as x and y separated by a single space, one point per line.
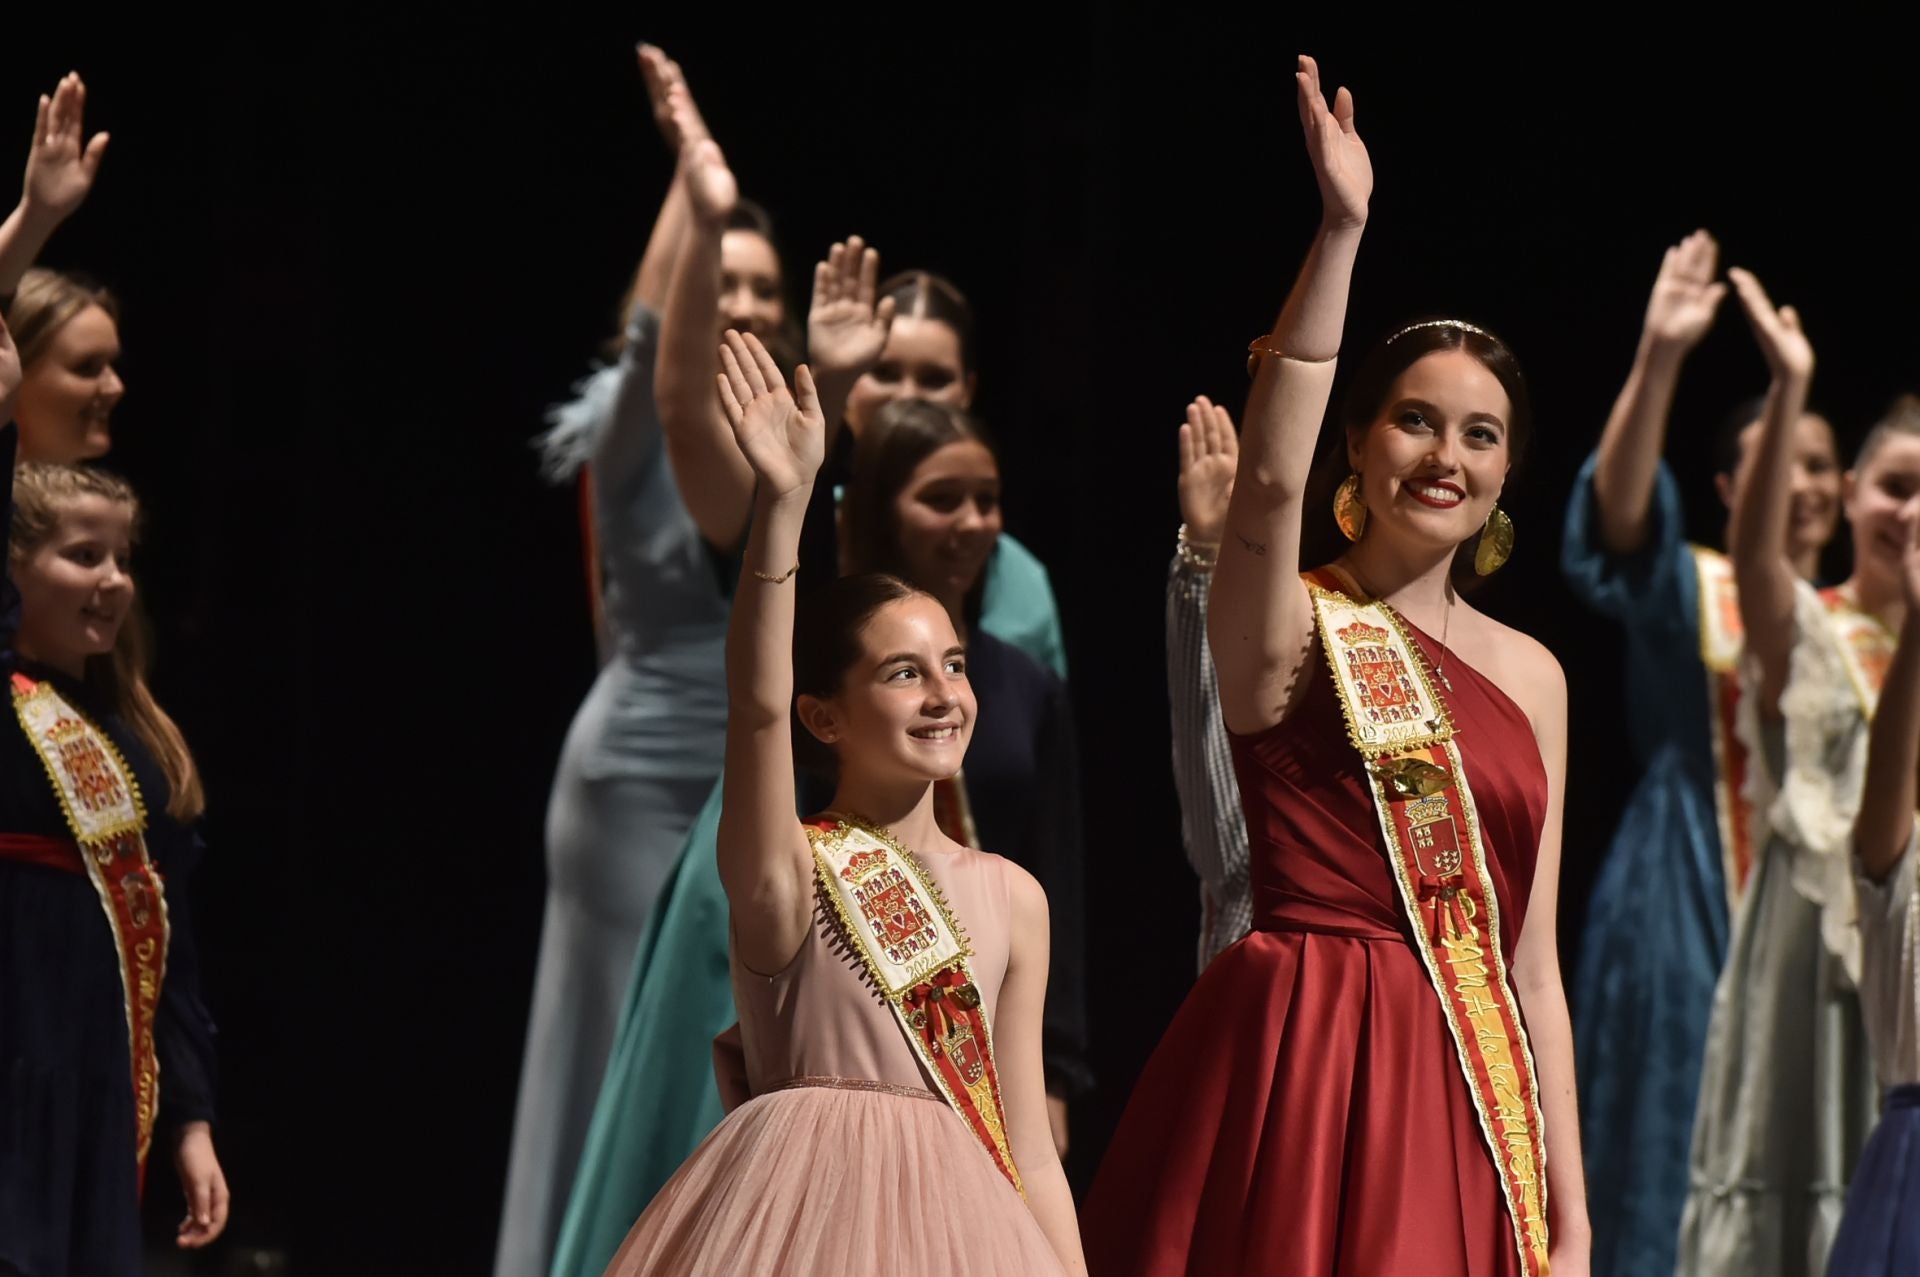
358 257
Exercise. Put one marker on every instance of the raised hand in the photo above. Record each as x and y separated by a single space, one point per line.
1209 454
846 328
663 75
1340 162
1685 295
783 436
1788 353
710 185
60 168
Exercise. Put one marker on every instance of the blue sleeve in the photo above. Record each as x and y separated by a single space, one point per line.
184 1030
1647 587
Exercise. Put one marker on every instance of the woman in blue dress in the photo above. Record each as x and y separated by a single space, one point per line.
1658 920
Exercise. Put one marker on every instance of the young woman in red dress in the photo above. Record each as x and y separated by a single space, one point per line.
1379 1078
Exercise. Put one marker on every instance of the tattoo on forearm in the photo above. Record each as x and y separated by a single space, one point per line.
1254 547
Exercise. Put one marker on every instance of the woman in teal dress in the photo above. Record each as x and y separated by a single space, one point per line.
869 344
1658 919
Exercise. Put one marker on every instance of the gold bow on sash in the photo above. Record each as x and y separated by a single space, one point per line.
1403 731
897 923
101 801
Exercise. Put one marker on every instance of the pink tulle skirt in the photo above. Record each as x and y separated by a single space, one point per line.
823 1179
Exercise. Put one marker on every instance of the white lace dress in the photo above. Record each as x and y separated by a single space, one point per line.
1787 1094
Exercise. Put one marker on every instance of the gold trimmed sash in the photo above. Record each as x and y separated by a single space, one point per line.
897 922
101 801
1722 637
1866 646
1402 729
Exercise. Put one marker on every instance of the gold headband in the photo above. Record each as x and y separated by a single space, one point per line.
1460 324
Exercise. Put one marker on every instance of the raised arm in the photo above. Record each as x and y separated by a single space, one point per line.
1684 301
61 166
1258 620
715 481
628 436
765 864
680 123
846 327
1763 503
1212 825
1885 821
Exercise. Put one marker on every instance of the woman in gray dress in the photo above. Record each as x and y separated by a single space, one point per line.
669 494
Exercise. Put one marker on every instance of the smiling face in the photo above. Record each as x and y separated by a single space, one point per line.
1879 507
904 710
1435 457
750 299
75 585
948 514
1816 483
69 391
921 360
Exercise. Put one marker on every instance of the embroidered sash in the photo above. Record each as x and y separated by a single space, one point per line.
1402 729
896 921
1722 634
1866 646
103 807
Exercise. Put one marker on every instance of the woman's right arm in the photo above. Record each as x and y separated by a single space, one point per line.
1885 820
766 864
716 483
1259 620
1681 309
60 172
1763 501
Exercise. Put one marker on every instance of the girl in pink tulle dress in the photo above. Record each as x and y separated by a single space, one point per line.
889 980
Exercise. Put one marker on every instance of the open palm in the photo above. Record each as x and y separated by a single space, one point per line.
846 328
1685 294
1209 452
1782 341
1340 162
782 435
60 165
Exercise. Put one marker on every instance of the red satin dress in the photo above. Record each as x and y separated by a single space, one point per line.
1305 1112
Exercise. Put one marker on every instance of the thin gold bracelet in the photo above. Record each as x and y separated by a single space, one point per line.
782 579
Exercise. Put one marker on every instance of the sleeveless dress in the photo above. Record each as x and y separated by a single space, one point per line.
639 760
1305 1112
844 1161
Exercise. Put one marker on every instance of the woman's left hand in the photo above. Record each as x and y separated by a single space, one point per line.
204 1185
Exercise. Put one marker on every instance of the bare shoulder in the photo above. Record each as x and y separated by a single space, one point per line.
1527 670
1024 893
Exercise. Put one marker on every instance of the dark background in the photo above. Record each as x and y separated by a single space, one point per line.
358 257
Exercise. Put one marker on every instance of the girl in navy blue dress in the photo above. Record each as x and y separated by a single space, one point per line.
106 1049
